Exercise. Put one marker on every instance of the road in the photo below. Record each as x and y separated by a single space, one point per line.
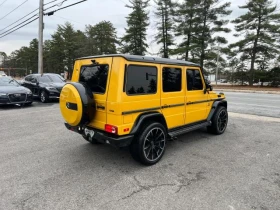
254 103
44 166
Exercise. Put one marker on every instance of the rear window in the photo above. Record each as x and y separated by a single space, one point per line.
95 77
141 80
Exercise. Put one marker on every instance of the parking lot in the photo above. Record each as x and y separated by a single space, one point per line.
45 166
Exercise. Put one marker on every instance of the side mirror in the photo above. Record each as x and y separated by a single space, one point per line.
209 87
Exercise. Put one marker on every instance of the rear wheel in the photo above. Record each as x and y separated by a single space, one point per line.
149 146
219 121
44 97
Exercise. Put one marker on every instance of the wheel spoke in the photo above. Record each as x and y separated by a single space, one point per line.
154 144
147 155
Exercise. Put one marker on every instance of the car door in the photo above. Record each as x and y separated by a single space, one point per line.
173 96
33 85
26 82
196 98
96 76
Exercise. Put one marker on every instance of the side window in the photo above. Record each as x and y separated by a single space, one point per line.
28 78
194 81
171 79
33 79
141 80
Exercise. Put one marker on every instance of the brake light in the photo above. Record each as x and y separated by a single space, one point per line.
111 129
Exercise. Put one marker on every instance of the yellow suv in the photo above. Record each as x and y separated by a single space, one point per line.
140 102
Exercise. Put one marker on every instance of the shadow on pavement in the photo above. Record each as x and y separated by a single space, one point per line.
36 103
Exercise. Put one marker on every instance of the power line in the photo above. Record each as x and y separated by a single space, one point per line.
18 20
14 9
19 24
55 5
50 2
3 2
67 19
19 27
28 15
52 12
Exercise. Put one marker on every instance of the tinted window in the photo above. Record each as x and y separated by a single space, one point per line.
141 80
194 81
95 77
28 78
44 79
56 78
171 79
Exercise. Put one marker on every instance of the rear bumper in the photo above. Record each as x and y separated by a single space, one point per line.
103 137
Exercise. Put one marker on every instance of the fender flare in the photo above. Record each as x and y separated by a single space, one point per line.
215 105
147 115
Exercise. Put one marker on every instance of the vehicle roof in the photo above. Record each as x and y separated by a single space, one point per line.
43 74
146 59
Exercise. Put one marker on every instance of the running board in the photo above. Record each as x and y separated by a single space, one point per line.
184 130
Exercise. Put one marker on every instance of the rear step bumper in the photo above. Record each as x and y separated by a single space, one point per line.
103 137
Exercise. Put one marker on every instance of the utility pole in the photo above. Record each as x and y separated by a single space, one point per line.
41 28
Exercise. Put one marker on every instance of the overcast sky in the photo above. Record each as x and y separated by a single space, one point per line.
89 12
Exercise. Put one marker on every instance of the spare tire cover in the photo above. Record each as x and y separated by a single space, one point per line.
76 103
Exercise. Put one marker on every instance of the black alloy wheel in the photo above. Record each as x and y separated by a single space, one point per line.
44 97
149 146
219 121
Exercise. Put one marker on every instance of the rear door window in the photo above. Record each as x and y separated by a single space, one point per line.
141 80
171 79
95 77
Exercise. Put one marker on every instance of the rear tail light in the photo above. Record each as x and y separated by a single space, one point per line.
111 129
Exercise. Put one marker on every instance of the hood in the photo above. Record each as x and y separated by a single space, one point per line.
13 89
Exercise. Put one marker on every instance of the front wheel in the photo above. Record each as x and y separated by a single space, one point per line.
44 97
148 148
219 121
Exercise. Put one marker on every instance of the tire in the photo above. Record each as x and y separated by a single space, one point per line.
44 97
29 103
153 137
219 121
90 140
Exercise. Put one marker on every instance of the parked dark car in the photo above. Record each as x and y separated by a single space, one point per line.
45 87
12 93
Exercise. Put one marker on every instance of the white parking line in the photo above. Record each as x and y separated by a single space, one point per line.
254 117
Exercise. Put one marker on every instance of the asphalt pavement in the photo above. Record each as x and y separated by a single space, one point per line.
254 103
45 166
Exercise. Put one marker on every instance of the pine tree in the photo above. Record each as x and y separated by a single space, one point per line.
134 41
261 27
164 23
198 22
102 37
187 19
211 22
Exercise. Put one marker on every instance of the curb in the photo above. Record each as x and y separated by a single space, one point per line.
248 91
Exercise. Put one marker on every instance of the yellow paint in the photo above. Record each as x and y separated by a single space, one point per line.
116 101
